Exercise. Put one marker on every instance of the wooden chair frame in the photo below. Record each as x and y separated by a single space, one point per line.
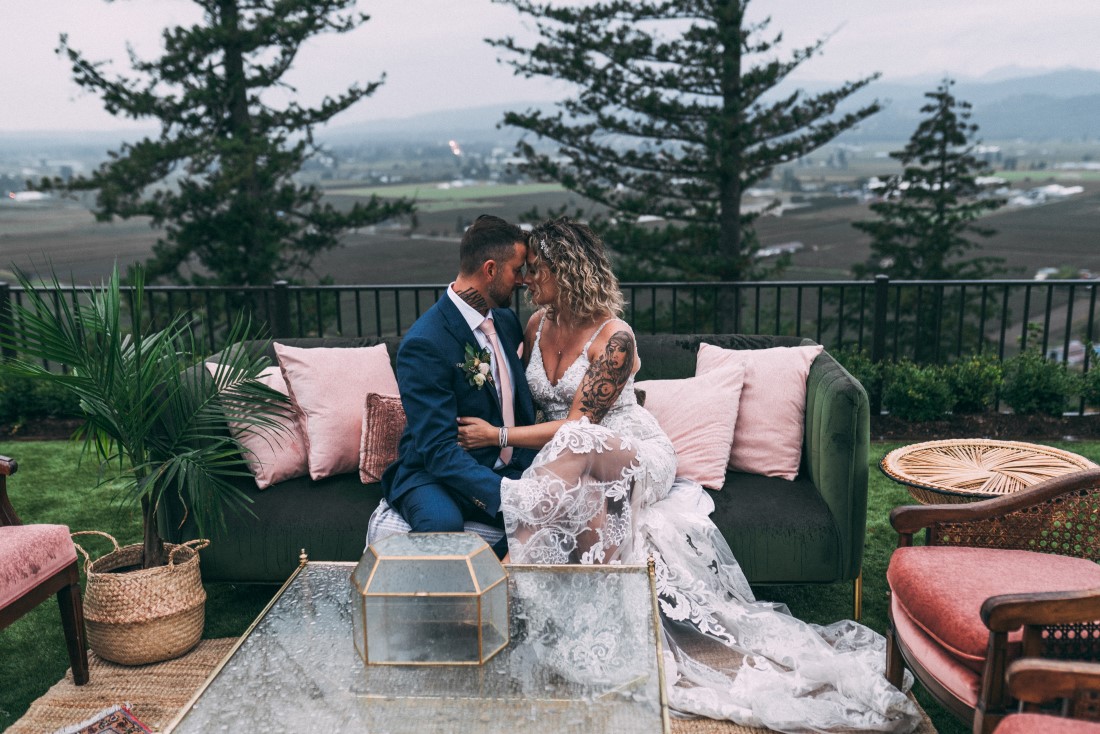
1043 518
1075 685
65 585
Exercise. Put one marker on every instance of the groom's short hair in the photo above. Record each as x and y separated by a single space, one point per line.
488 238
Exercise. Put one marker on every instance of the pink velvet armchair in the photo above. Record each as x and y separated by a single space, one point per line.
36 562
1003 579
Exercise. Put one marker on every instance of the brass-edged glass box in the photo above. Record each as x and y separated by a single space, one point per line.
429 599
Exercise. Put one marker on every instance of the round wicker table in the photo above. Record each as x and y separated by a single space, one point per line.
970 469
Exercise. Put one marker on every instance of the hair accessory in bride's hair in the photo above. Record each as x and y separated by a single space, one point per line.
544 249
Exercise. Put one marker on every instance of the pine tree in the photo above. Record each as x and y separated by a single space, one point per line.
219 178
926 212
675 115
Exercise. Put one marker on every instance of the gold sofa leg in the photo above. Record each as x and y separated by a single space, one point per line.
857 596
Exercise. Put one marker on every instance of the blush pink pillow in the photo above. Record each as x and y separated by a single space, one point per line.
771 418
699 415
328 387
273 454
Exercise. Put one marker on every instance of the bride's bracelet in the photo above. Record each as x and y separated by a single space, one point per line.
503 436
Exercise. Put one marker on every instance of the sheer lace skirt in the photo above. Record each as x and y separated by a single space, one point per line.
605 493
576 503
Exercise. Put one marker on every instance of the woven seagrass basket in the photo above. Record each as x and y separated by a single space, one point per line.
145 615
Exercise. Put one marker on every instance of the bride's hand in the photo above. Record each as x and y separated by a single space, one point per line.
474 433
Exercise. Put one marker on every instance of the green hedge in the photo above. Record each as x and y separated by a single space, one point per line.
23 400
1029 384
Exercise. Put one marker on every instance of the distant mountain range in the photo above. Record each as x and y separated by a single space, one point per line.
1063 104
1011 104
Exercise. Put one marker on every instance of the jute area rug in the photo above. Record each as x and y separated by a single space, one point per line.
157 692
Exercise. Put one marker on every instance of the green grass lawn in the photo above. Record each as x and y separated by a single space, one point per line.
53 486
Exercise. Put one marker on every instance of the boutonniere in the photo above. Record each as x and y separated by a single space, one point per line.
476 367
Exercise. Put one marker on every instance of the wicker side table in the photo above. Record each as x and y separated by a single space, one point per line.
971 469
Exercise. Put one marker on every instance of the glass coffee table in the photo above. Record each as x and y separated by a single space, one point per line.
584 656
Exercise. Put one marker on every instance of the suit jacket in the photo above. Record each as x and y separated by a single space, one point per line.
435 391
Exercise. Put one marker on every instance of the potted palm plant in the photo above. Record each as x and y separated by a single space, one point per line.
158 417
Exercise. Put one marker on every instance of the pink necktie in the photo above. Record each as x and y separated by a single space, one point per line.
506 407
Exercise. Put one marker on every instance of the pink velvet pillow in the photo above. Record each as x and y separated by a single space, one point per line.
771 418
699 415
328 387
383 423
273 455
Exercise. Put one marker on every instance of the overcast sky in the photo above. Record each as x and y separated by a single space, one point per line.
435 59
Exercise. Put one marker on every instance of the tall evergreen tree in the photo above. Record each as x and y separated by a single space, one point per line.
675 115
927 211
219 178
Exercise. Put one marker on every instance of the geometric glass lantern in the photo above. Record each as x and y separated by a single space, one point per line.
429 599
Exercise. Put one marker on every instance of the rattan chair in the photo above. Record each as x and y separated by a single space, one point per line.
1074 687
997 580
37 562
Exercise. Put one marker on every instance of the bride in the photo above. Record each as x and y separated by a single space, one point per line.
603 490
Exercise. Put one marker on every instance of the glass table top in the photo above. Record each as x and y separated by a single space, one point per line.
584 657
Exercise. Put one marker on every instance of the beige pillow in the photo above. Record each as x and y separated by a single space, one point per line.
383 423
771 417
698 414
273 455
328 387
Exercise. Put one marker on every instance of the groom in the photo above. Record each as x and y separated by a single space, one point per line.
435 484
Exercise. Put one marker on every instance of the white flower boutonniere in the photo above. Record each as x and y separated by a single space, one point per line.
477 367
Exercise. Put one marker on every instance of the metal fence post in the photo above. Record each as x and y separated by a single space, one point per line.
281 328
7 326
878 338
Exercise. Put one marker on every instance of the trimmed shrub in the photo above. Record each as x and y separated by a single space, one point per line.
860 366
1034 384
23 399
1090 385
916 393
974 382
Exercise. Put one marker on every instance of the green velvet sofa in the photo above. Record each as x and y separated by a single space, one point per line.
809 530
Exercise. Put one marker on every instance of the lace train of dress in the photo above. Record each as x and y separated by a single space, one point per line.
607 493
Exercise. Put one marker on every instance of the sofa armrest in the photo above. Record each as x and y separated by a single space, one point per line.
835 449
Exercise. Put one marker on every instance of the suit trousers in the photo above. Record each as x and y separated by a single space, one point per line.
436 508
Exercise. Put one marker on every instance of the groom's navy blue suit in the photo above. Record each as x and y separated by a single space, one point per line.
435 392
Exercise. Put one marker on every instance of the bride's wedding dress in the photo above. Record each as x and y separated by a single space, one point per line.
607 493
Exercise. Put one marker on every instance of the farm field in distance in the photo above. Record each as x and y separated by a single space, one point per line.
1061 233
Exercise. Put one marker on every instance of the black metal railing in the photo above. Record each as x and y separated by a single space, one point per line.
927 321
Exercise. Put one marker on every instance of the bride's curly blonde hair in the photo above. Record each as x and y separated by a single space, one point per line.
587 287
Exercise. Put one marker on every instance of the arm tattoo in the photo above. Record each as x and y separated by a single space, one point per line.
607 375
475 299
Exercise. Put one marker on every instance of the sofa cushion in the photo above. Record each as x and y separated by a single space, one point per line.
30 554
328 387
942 589
772 415
779 531
327 517
273 454
698 414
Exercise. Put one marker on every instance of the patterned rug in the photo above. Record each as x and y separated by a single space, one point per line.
157 692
